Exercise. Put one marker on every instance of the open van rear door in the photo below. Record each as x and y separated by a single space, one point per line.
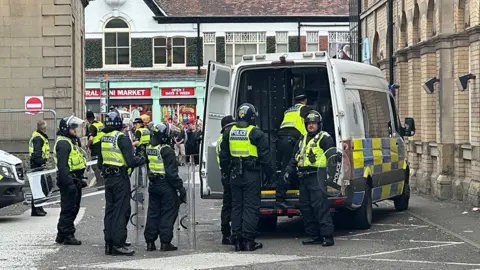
218 102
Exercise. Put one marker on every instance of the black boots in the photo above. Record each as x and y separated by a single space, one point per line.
68 240
38 212
151 247
247 245
167 247
122 251
325 241
226 240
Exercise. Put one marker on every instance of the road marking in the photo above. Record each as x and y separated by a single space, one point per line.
465 239
399 250
389 230
412 261
396 225
197 261
27 240
409 241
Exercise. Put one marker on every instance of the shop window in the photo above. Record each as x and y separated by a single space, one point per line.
209 47
312 41
238 44
281 42
168 51
179 113
116 43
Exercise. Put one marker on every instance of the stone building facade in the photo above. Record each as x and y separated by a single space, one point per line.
434 38
41 54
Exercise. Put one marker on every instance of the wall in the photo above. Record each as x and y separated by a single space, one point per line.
436 38
36 49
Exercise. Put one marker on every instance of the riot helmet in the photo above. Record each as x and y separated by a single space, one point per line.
68 125
247 113
313 117
90 115
114 120
161 133
227 121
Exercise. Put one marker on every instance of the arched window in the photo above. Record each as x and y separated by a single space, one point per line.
116 43
416 33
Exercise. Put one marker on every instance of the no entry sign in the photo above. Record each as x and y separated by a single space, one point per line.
33 104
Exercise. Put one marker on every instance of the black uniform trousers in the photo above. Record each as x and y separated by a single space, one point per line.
117 208
285 146
314 206
70 199
246 197
163 207
226 214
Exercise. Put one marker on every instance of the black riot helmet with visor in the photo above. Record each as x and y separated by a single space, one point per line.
247 113
114 120
313 117
68 125
161 132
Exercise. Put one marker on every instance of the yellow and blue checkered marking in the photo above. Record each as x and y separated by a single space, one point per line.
380 193
377 155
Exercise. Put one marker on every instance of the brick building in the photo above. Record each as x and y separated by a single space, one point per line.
41 54
158 69
433 38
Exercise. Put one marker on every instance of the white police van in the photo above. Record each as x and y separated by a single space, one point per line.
12 179
357 110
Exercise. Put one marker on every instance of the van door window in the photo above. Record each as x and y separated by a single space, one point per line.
376 113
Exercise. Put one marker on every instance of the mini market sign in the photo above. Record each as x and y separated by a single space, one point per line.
120 93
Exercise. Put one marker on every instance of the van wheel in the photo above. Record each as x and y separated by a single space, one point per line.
401 202
363 216
267 224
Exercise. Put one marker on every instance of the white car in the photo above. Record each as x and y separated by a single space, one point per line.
12 179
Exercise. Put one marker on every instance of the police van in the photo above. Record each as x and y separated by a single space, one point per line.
357 108
11 179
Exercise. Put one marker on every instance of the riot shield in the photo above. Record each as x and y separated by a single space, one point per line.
139 202
44 189
338 165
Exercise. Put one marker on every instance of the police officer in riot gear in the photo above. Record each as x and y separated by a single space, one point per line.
95 133
142 135
310 161
39 150
244 151
291 129
226 215
164 201
71 165
115 158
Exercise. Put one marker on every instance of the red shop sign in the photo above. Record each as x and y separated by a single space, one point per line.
141 92
178 92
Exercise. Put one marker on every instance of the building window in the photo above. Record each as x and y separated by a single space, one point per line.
209 47
312 41
116 43
339 45
179 50
281 41
239 44
168 51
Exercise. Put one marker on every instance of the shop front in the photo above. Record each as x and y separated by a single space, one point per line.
182 101
178 104
136 101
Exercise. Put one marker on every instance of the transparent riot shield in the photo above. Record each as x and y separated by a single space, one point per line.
138 203
186 223
338 165
43 185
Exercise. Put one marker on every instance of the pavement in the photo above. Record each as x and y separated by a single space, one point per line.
431 235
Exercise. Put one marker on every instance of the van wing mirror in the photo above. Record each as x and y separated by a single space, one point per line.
409 127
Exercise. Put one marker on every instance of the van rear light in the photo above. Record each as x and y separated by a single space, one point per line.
339 201
277 63
260 57
317 54
347 161
307 54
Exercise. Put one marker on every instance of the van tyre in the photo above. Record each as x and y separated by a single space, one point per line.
267 224
363 216
402 201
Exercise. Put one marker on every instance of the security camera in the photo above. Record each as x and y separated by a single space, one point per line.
462 81
429 86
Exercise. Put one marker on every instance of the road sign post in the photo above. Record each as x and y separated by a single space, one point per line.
104 95
34 104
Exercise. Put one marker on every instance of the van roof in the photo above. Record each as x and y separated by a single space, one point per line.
267 58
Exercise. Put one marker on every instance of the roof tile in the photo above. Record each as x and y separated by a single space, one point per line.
254 7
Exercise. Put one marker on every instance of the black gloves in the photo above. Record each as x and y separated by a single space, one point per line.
183 195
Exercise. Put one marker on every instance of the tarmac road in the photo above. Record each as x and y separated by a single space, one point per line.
431 235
